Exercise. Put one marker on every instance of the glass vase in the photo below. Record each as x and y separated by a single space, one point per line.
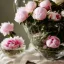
37 36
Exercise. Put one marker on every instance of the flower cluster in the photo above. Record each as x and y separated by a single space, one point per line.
39 11
13 42
45 23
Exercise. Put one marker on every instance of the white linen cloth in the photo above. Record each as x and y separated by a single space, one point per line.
29 55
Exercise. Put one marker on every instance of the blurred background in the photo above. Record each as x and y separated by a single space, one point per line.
7 13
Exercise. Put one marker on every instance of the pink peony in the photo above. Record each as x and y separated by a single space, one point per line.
46 4
6 28
53 42
30 6
12 43
54 16
21 15
39 13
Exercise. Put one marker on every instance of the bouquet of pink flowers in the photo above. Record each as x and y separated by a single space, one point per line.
44 23
12 44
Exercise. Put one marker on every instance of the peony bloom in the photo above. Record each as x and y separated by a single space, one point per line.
39 13
53 42
54 16
30 6
45 4
21 15
6 28
12 43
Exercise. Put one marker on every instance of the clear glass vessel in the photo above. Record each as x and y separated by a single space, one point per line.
36 35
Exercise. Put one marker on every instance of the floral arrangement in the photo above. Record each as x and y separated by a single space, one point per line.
44 23
12 44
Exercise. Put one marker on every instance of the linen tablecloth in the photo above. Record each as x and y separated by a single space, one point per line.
29 55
